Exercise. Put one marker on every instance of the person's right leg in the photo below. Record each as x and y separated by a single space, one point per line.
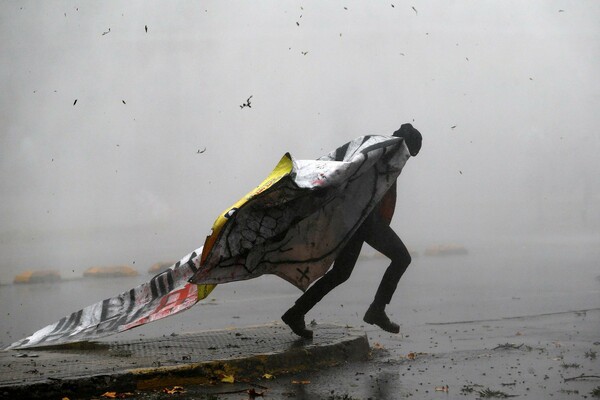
339 273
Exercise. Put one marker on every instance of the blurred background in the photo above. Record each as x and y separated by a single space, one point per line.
123 130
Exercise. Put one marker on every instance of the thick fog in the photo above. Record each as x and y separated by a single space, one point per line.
124 135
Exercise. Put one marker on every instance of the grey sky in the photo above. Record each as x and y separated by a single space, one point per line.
517 80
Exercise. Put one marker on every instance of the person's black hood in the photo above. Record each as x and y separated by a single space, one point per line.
412 137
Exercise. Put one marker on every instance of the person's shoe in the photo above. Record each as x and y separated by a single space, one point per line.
296 322
378 317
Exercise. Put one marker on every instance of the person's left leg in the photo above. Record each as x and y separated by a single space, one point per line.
382 238
339 273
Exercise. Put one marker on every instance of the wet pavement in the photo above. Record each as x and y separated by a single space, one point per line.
552 355
520 320
549 356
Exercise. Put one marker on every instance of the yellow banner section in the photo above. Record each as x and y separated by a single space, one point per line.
204 291
283 168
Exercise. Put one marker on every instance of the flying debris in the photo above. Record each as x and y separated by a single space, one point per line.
201 151
297 23
107 32
415 10
393 6
453 126
304 53
75 102
247 103
561 10
123 101
146 28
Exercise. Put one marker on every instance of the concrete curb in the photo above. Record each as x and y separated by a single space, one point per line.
282 353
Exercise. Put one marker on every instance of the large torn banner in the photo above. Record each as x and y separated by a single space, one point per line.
296 227
292 225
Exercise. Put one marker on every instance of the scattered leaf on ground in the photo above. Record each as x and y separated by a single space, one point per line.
268 376
469 388
174 390
571 365
507 346
227 378
488 393
253 393
300 382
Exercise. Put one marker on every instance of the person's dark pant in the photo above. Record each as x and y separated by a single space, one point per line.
379 235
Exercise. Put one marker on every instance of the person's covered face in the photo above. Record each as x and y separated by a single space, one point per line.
412 137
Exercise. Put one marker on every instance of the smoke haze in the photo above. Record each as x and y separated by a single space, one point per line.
157 144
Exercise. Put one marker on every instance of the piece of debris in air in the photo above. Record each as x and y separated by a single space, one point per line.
247 103
123 101
146 28
75 102
415 10
107 32
201 151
